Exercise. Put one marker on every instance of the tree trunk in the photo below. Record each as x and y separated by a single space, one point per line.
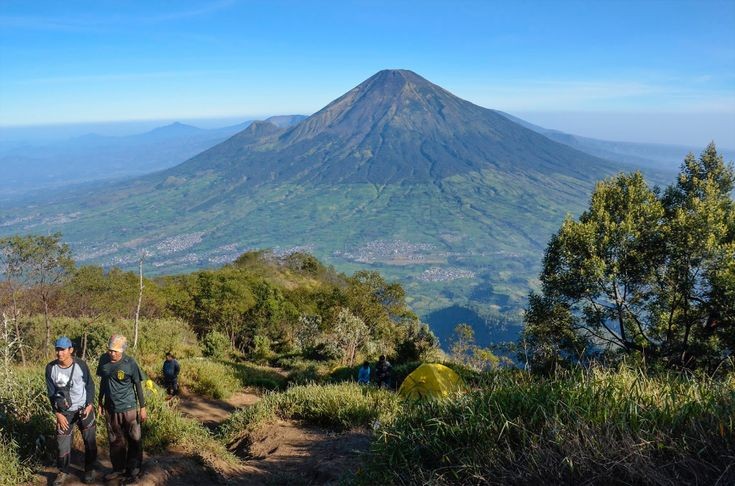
84 344
7 344
17 329
140 299
48 325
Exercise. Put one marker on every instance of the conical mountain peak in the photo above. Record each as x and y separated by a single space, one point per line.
397 97
394 127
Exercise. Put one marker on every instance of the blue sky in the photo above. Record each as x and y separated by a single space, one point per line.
656 71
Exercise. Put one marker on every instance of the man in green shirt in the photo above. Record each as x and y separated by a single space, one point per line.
121 391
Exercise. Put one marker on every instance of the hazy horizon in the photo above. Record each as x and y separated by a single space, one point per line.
658 72
602 126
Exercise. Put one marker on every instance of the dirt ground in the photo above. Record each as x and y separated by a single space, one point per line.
286 452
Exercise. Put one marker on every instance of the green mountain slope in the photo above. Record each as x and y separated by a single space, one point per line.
399 175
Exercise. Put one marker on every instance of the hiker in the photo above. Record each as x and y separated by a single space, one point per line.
382 372
363 374
71 391
121 391
171 370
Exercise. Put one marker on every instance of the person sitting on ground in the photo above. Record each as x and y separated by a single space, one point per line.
171 370
363 374
382 372
121 390
71 391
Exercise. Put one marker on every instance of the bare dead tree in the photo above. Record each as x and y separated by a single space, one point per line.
140 299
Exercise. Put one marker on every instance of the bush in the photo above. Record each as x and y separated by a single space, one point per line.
594 426
25 412
216 345
326 351
209 378
166 427
261 349
12 470
339 406
155 338
250 374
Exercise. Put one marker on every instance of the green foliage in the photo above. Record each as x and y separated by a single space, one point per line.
340 406
465 351
220 379
92 292
261 349
594 426
216 345
209 378
13 471
643 273
25 416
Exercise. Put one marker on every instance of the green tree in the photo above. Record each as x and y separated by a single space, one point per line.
37 262
641 273
381 306
350 333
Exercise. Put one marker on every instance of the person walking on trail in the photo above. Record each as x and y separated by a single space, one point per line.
171 370
121 392
363 374
71 391
382 372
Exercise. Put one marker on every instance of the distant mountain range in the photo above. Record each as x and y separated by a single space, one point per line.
32 166
397 175
661 157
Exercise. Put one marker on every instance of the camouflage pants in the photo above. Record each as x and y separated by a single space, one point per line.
126 442
87 426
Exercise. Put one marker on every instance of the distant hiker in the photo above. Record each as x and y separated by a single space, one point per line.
382 372
363 374
71 391
121 390
171 370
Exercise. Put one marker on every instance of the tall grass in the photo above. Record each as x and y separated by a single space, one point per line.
338 406
220 379
167 427
12 470
588 427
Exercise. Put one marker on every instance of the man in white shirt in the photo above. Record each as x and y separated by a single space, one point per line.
71 392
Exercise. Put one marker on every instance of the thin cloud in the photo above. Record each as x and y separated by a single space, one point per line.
100 23
596 95
94 78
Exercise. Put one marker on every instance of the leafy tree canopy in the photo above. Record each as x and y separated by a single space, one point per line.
642 273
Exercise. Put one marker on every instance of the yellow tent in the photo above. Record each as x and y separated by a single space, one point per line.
430 381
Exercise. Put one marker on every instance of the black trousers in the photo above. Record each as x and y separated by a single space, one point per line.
172 384
88 427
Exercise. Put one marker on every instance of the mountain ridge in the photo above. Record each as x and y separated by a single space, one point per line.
397 175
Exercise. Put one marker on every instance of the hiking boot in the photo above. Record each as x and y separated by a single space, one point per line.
60 479
90 476
114 475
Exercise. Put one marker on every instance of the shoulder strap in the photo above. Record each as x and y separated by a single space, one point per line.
70 383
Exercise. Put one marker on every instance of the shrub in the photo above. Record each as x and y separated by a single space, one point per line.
339 406
594 426
216 345
209 378
326 351
25 412
12 470
167 427
261 349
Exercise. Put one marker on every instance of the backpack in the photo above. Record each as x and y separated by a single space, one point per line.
62 397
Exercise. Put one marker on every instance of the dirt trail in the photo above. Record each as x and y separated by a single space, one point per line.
212 412
286 452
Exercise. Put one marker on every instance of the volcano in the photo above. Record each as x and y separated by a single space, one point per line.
398 174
